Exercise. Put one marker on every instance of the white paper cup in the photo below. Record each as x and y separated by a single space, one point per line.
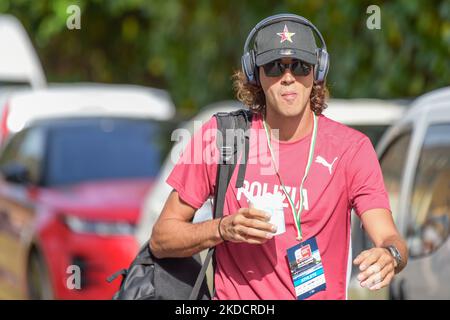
273 205
277 219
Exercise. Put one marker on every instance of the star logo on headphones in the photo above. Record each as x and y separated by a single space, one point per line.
286 35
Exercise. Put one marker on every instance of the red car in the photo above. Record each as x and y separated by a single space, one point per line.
71 191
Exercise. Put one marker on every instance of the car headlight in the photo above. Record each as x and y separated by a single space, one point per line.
79 225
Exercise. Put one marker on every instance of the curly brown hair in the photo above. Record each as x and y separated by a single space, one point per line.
253 95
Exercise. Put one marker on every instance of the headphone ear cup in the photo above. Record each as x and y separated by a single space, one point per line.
254 68
248 67
322 66
317 66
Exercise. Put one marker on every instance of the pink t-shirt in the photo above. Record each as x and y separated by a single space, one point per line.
344 174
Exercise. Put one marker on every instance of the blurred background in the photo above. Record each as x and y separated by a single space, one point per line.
191 48
91 91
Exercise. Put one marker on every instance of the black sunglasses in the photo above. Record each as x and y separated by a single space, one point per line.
276 68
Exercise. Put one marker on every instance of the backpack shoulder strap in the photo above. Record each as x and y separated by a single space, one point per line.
230 147
239 121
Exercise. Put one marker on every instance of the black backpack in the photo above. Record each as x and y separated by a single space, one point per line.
150 278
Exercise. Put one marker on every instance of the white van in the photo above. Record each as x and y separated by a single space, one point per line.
20 68
415 159
19 63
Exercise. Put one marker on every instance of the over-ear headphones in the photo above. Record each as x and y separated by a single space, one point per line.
248 60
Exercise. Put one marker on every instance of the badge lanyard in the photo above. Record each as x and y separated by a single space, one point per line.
297 215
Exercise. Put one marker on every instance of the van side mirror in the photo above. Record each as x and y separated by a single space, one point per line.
16 173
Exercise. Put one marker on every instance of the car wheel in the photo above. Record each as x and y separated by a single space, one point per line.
39 285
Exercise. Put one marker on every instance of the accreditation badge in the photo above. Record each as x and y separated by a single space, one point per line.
306 268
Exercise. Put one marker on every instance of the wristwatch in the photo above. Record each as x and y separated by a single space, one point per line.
396 254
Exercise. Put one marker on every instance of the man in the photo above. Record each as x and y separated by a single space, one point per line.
321 168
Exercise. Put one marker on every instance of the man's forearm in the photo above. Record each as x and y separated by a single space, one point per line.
175 238
400 244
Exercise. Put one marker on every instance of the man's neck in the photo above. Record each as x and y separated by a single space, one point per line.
290 128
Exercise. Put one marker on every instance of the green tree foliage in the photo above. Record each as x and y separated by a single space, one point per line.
192 47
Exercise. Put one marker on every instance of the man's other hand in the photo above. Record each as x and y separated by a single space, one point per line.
377 267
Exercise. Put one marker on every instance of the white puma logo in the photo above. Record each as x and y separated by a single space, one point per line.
323 162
